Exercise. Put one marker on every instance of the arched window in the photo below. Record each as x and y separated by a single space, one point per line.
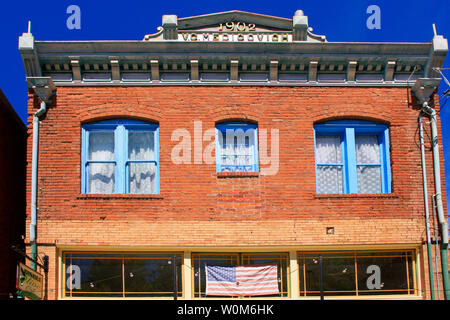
120 156
237 147
352 157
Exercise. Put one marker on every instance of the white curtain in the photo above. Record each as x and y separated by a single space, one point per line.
141 146
328 151
368 152
101 175
237 150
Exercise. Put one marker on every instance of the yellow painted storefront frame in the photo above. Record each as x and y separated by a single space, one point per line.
353 254
291 251
123 253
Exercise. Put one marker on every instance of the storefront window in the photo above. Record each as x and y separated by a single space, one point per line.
357 273
201 260
121 275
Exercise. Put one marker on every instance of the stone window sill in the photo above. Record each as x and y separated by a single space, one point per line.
120 196
357 196
237 174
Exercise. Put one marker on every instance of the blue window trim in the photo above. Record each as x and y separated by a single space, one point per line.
348 129
120 129
235 125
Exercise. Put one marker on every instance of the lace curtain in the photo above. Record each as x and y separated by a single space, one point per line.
141 172
237 151
328 151
101 175
141 147
368 152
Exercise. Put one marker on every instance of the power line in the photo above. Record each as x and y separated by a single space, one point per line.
445 79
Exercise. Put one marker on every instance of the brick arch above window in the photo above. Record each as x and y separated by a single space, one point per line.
356 111
224 115
115 117
114 111
236 120
352 118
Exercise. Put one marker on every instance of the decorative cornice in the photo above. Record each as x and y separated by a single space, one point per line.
166 60
437 55
29 55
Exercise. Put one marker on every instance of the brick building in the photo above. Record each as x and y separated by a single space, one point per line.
13 138
233 139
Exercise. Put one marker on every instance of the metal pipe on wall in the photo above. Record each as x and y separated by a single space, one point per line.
34 163
436 249
427 217
443 226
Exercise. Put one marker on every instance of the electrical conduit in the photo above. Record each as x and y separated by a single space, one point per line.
443 226
427 218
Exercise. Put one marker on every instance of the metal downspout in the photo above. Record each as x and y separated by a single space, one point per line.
436 248
443 226
427 218
44 89
35 153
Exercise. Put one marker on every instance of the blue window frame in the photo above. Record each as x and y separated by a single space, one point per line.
237 147
352 157
120 156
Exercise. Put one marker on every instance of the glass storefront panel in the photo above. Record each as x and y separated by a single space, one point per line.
201 260
199 263
121 275
357 273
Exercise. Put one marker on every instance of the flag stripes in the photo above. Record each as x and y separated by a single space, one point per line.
242 280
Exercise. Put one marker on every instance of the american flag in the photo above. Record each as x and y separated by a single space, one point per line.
254 280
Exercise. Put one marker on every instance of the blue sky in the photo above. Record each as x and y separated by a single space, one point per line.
344 20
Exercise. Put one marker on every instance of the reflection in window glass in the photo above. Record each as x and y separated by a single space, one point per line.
394 274
154 275
121 275
100 276
337 279
357 273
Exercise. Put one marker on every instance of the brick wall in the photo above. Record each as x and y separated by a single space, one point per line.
198 208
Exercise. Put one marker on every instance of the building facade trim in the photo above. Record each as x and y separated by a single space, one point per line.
284 50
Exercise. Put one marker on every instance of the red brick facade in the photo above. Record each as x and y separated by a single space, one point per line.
198 208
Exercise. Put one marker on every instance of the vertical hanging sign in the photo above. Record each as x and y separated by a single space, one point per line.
29 282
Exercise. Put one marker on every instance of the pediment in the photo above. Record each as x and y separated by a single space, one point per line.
213 21
235 26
